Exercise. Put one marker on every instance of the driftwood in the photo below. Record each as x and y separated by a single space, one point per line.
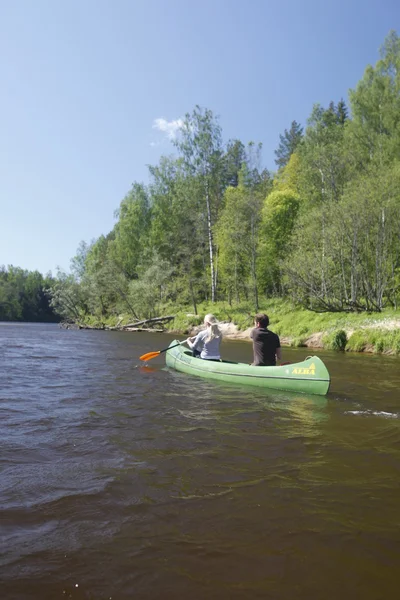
118 327
144 329
80 326
145 321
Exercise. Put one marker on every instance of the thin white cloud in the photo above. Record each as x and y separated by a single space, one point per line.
170 128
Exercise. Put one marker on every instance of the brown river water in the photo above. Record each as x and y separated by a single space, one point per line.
119 481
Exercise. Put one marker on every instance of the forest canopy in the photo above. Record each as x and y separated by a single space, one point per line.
214 224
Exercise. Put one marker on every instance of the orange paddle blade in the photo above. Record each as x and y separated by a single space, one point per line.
149 355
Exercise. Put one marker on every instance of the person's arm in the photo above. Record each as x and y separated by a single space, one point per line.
279 354
194 343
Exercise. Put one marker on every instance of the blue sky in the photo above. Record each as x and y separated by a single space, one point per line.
83 83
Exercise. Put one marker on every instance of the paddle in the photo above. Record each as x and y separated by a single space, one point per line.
151 355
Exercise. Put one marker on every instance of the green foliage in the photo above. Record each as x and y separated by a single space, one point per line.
238 230
352 265
289 142
377 340
234 159
68 298
336 340
297 325
78 262
184 322
232 240
128 241
149 291
357 342
379 346
200 145
213 224
23 296
375 106
339 340
278 218
297 342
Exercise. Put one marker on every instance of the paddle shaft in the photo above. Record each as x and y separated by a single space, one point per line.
169 347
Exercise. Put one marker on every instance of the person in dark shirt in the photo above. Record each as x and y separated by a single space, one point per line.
266 344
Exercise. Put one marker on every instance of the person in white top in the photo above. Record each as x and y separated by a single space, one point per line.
207 342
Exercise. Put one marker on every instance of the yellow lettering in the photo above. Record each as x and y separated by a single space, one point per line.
304 371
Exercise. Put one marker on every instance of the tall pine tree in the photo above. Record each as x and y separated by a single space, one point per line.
288 144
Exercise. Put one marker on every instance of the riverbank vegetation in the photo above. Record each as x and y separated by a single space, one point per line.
297 326
24 296
317 243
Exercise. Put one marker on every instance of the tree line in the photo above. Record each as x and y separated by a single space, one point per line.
214 224
25 296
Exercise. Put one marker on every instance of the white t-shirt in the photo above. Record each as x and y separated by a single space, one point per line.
209 348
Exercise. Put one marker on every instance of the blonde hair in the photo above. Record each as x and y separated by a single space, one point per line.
215 331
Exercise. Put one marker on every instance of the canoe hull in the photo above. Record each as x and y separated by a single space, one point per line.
309 376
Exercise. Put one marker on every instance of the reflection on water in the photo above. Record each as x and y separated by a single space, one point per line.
125 481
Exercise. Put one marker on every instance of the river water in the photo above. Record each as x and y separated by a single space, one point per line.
126 482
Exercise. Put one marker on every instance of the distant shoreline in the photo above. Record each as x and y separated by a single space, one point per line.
379 336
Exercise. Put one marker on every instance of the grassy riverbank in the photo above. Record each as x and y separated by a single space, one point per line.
355 332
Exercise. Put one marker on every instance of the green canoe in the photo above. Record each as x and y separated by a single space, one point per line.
310 376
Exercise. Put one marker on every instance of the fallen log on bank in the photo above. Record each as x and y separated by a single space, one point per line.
136 326
64 325
146 321
151 330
